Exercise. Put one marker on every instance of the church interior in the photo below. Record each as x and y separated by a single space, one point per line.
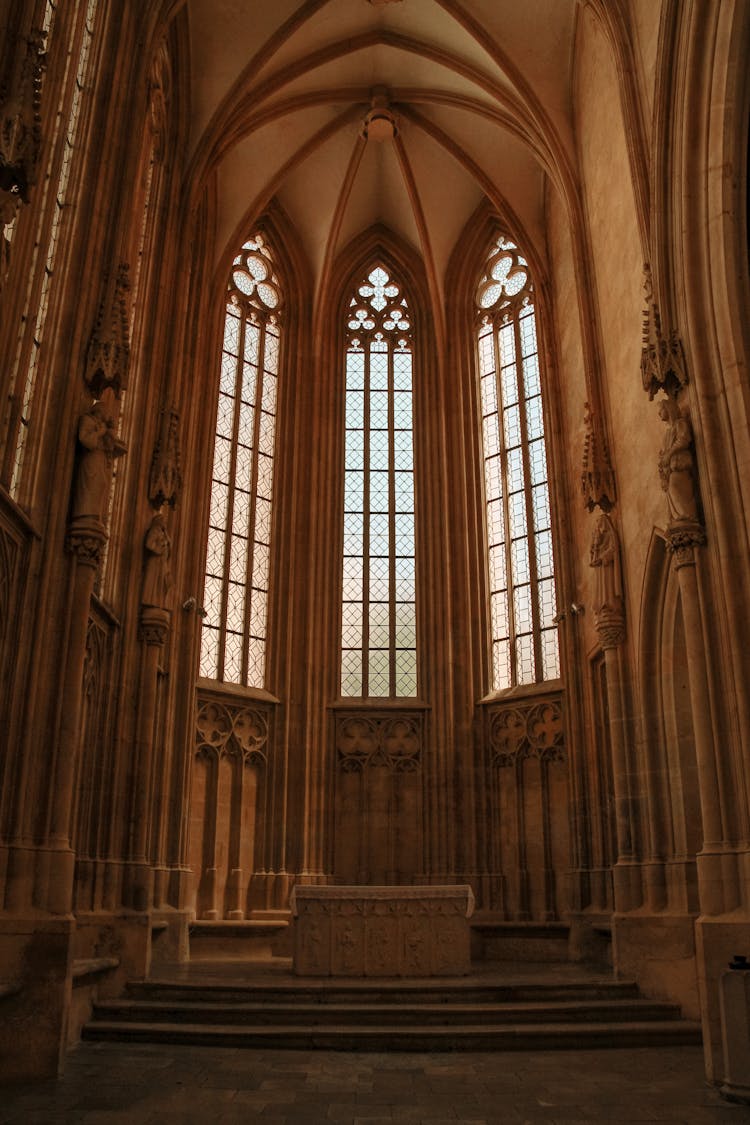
374 493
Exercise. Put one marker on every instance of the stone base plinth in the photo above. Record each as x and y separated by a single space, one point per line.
381 931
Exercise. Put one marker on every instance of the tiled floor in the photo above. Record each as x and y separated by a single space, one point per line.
114 1084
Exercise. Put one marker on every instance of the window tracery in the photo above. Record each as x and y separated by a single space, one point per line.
517 506
233 643
378 615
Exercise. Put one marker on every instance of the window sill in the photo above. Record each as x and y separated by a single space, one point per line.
522 691
218 690
409 703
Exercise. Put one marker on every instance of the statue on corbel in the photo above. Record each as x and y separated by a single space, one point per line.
679 481
165 482
609 602
598 487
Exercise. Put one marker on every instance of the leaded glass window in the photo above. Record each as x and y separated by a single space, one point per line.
233 643
378 615
519 534
53 206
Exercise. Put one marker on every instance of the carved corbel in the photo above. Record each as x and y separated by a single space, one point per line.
662 356
597 477
20 122
609 603
108 354
154 626
165 480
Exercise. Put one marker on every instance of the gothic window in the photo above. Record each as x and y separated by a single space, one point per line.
233 646
378 614
519 535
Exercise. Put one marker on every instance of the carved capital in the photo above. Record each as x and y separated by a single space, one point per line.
154 626
108 354
86 540
662 356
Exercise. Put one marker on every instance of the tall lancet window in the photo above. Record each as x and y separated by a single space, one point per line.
519 536
378 614
233 643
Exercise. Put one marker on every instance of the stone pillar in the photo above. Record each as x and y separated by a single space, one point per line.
154 631
609 621
626 877
682 539
86 540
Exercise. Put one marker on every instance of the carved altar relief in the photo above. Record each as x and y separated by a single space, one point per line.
381 931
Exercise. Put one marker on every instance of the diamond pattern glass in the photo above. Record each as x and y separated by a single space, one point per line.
238 554
378 613
523 630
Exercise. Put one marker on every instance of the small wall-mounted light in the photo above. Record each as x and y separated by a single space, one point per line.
192 604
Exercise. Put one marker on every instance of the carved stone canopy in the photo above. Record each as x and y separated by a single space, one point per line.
20 121
165 480
597 477
662 356
108 354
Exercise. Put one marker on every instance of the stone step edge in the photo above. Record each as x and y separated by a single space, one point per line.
523 1035
447 1008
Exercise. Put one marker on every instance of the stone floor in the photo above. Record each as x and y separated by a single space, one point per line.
114 1084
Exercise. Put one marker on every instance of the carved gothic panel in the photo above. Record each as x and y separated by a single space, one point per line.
232 738
532 729
378 796
394 741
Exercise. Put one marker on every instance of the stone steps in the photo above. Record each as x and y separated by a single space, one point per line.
255 1014
391 1015
385 1037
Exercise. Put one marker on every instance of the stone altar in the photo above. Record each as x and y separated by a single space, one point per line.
381 931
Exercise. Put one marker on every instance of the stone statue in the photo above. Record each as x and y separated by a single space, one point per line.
604 556
677 464
157 578
99 447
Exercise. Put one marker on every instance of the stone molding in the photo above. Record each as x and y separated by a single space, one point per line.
228 729
521 730
391 740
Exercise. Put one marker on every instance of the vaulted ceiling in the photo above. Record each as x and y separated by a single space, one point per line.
468 100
